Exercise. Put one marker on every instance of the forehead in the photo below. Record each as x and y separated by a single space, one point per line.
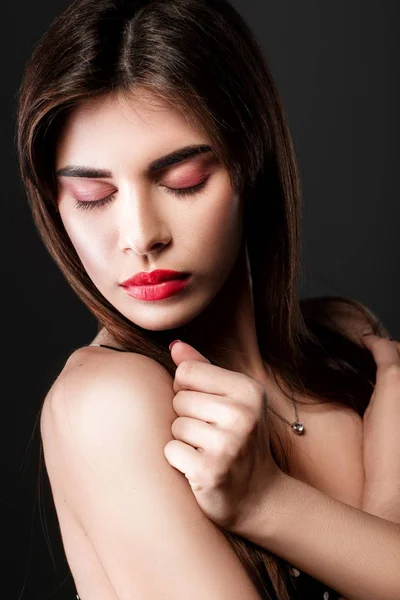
131 122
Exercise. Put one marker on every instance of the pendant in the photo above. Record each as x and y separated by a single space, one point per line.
298 427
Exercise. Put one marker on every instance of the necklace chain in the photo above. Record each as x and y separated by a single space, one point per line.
296 426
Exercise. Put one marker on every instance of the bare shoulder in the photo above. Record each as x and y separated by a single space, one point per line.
91 367
330 456
105 380
104 428
103 396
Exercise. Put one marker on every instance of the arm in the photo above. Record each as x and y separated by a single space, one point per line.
355 553
104 428
385 506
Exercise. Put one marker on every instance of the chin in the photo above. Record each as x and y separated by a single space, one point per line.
164 317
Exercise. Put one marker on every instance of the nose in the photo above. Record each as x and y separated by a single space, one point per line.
142 228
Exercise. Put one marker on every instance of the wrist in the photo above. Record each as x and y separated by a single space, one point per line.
264 514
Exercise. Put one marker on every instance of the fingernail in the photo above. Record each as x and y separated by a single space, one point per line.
172 343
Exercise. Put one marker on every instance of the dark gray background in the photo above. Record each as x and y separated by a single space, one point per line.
336 65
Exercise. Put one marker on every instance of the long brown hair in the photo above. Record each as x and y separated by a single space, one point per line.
201 55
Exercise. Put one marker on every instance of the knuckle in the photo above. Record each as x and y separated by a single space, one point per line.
176 425
174 428
180 397
184 369
255 390
221 444
248 419
392 374
176 400
241 417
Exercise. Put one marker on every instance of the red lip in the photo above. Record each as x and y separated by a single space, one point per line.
153 277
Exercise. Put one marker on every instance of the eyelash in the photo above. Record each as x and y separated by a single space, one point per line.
176 191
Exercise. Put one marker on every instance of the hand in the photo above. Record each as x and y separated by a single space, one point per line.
221 438
381 425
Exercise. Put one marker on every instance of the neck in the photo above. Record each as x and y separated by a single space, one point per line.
225 331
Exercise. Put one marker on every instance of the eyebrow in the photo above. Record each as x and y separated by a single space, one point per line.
160 163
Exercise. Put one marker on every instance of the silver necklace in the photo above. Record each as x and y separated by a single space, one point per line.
296 426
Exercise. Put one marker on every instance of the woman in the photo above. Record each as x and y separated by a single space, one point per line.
151 137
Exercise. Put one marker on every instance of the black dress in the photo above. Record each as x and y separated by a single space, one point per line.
307 588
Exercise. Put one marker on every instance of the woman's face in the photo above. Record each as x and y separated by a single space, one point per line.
143 224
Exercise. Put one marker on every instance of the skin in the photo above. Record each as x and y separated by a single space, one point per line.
143 228
146 227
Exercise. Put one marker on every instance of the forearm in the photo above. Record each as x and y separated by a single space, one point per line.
374 504
384 503
354 552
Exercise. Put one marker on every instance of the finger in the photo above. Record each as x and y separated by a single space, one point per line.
198 405
211 379
384 351
211 409
182 351
184 458
196 433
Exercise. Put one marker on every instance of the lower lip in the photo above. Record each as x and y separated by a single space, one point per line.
157 292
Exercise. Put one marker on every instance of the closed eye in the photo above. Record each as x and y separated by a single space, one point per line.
176 191
187 190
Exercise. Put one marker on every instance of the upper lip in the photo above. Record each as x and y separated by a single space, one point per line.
153 277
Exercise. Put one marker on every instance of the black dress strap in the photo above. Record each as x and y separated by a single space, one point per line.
111 347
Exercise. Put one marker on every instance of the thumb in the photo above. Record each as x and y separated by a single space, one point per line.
182 351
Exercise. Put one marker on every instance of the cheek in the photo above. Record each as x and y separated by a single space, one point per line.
218 227
87 243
